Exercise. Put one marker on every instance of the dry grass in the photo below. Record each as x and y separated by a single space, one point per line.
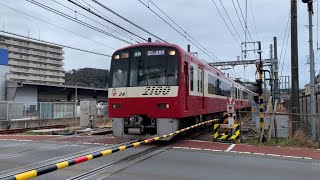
302 140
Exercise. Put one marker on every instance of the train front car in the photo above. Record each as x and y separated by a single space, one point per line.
143 96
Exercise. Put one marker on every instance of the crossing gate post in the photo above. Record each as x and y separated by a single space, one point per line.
234 138
231 131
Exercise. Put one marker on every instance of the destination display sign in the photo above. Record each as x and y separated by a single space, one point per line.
155 53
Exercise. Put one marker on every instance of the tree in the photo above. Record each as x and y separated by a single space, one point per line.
88 77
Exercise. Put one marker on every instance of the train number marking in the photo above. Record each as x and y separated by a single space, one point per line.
156 90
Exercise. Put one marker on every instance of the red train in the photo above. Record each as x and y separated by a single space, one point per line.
158 88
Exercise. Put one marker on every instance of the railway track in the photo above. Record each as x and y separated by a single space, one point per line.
22 130
42 164
116 166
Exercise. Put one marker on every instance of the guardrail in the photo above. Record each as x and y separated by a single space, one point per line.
57 166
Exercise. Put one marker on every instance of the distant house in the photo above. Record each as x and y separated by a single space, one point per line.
317 85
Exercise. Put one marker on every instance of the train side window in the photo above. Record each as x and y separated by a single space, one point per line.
191 78
200 80
211 84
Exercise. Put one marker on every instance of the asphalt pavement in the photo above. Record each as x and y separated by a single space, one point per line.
168 162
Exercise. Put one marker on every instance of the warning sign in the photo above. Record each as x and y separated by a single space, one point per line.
231 100
230 108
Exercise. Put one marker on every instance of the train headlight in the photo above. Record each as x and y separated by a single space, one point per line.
172 53
117 56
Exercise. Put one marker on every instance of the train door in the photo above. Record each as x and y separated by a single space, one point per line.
201 85
186 84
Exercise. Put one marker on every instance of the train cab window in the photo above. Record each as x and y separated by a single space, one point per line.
119 71
191 78
153 66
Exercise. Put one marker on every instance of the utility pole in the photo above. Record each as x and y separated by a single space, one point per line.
272 75
294 66
312 72
276 67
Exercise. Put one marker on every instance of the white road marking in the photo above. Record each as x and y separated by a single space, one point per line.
177 147
196 148
307 158
233 151
206 149
216 150
276 155
259 153
247 152
230 147
296 157
185 148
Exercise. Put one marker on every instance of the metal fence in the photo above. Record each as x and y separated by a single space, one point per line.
303 119
15 111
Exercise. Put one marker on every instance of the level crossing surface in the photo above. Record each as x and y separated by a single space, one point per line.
185 159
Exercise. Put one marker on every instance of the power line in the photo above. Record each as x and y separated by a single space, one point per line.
284 39
176 30
254 20
226 23
137 26
230 20
56 26
244 31
92 19
77 20
92 7
246 26
55 44
186 33
114 24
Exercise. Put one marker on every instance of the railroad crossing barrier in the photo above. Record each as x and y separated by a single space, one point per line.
227 137
44 170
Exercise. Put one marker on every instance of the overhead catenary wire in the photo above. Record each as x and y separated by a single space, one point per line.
254 20
226 23
55 44
93 20
246 26
286 40
107 20
57 26
92 7
235 29
286 34
177 30
77 20
132 23
185 32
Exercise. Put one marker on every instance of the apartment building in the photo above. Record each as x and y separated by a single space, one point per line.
31 61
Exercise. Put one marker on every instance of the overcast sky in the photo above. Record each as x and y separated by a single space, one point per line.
199 18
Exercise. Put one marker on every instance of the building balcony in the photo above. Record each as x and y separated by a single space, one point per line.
35 66
28 70
32 45
35 53
35 59
13 76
